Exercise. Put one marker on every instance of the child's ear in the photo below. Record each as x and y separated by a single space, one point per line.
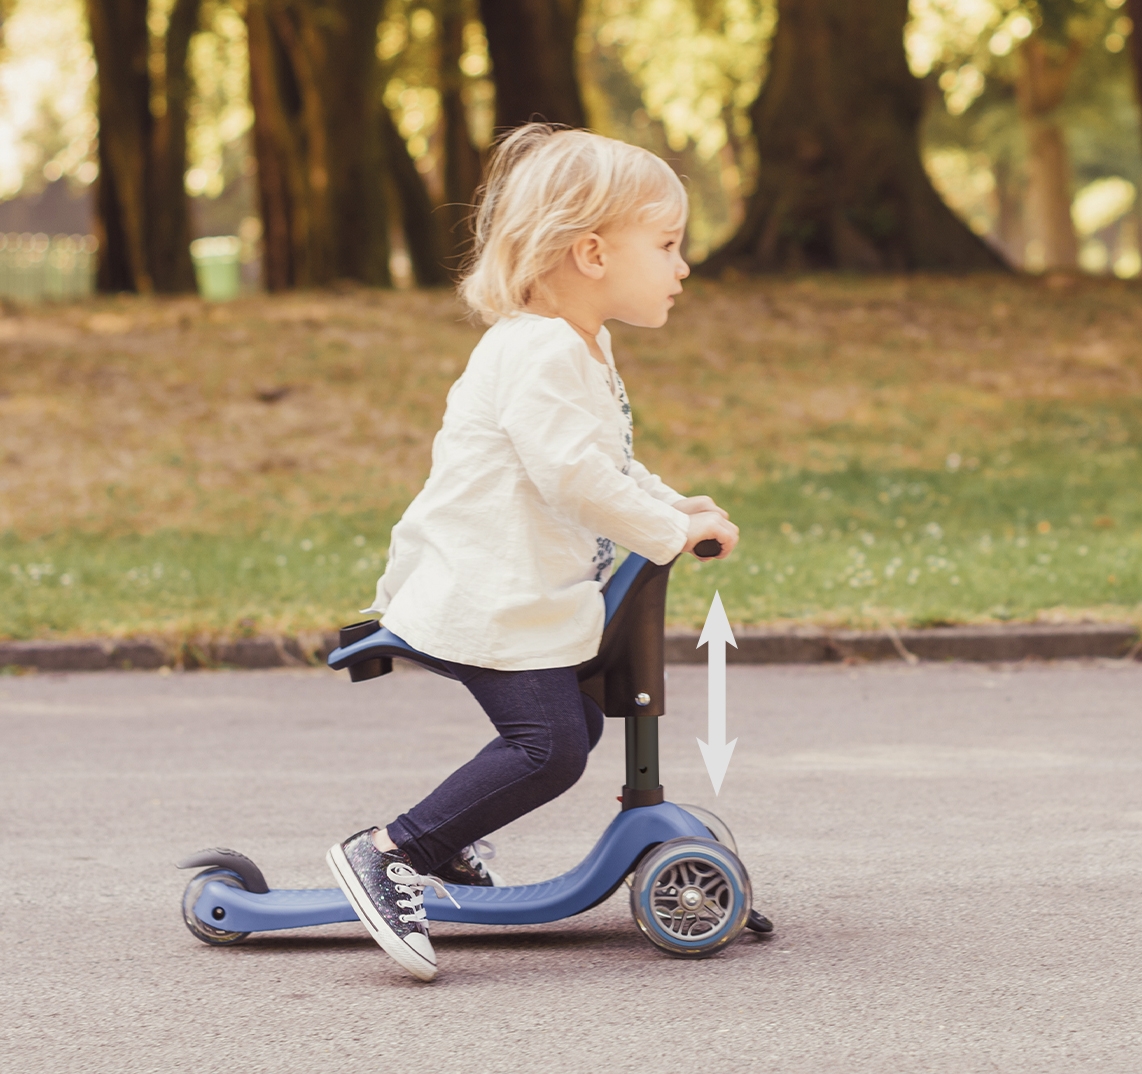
588 255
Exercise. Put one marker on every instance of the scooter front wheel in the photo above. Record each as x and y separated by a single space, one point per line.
208 933
717 827
691 897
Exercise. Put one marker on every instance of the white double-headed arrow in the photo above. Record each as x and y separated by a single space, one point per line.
717 752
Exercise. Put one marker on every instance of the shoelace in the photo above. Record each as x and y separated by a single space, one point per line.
409 882
475 854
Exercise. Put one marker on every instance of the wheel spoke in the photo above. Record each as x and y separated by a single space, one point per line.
691 879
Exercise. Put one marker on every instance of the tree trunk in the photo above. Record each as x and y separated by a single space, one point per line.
1043 73
141 209
840 180
418 221
171 266
113 270
1134 10
356 157
318 140
273 95
121 43
1049 196
532 46
1010 196
461 159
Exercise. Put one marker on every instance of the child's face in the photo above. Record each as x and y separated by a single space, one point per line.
644 271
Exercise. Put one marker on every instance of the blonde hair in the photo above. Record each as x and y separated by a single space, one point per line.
546 187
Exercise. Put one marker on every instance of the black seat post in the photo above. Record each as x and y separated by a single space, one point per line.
642 784
627 679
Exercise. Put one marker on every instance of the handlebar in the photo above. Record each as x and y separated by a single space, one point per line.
708 549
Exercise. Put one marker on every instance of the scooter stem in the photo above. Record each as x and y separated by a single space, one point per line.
642 785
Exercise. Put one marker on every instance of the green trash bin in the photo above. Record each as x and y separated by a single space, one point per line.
216 266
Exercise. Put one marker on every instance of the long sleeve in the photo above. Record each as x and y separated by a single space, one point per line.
547 414
500 560
654 484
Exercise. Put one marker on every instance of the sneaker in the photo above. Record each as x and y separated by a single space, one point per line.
388 895
469 868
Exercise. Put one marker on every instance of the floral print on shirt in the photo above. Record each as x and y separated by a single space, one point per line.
628 420
605 548
603 558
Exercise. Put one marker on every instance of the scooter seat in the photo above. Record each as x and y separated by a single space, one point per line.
372 655
367 649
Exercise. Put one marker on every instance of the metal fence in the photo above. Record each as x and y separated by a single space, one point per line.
34 268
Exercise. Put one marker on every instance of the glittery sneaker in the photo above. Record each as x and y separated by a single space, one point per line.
388 895
469 868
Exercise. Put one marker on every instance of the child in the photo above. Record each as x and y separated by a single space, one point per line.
497 566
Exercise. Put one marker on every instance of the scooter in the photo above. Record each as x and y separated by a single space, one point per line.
689 894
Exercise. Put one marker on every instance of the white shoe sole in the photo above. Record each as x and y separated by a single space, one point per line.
390 942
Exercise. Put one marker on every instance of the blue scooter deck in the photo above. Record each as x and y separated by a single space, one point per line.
627 837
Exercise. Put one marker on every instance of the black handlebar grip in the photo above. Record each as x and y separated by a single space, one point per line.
708 549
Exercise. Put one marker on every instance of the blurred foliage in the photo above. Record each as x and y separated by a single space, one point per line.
47 114
698 67
677 76
975 148
408 47
896 449
220 112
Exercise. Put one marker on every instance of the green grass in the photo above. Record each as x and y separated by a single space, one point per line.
918 548
852 548
179 584
907 451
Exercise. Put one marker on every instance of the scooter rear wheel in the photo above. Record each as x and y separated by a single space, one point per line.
207 933
691 897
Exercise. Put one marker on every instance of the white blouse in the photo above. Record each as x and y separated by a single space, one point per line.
501 559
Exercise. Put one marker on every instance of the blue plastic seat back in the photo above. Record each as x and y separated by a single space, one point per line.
620 583
384 643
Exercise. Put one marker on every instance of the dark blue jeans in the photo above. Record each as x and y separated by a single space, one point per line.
546 729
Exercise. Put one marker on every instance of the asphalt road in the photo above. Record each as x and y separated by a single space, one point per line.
952 856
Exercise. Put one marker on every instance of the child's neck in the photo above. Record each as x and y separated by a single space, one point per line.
584 321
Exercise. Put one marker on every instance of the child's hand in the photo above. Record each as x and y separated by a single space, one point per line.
694 505
711 524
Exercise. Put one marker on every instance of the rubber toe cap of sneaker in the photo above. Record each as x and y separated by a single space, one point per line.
422 945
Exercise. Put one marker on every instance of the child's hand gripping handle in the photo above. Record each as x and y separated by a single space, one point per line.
712 535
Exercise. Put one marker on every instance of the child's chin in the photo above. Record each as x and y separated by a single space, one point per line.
646 321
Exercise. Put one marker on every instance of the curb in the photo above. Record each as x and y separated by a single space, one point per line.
988 644
147 655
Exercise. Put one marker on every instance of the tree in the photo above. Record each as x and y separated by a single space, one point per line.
423 233
1031 67
1134 13
462 165
437 236
532 46
840 181
1043 73
319 140
141 207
